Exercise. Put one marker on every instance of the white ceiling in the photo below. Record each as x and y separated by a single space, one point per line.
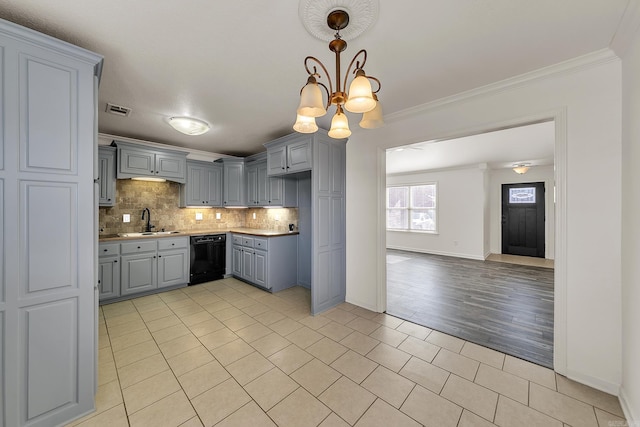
239 64
532 144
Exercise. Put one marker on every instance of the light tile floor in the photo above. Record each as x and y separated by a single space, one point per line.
227 354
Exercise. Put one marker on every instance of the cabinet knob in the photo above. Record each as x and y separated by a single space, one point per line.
283 168
105 250
108 200
138 247
173 244
98 282
159 256
115 260
151 171
154 257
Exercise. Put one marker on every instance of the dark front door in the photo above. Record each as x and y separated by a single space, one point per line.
523 219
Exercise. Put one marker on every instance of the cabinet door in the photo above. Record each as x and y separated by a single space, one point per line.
236 261
196 184
277 160
107 177
299 156
138 273
260 272
173 267
252 185
275 189
109 277
135 162
234 185
248 264
213 191
263 182
170 166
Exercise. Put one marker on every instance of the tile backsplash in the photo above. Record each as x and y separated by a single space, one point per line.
162 200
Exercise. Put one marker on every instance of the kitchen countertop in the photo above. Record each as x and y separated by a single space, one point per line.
238 230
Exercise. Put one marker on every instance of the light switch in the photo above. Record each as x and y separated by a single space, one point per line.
126 218
218 215
198 216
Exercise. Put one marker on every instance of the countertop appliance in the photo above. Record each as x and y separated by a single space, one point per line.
208 258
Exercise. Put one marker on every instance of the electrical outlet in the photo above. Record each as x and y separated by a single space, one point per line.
277 217
198 216
218 215
254 215
126 218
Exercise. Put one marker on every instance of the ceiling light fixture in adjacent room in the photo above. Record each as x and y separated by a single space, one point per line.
361 98
189 126
521 168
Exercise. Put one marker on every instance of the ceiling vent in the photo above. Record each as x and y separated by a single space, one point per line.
118 110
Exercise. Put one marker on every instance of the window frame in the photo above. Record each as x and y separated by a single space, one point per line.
409 208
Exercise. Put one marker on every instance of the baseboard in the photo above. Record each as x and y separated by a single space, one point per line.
597 383
631 414
451 254
362 305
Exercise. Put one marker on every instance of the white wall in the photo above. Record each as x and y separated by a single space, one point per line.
460 214
507 176
586 95
630 392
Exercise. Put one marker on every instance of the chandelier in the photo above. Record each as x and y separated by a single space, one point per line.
361 98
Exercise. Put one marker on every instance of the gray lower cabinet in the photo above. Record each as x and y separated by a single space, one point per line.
109 270
135 266
139 266
268 262
173 261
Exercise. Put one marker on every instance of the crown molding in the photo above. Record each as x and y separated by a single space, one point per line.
629 24
570 66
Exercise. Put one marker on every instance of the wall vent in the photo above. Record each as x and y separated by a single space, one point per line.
118 110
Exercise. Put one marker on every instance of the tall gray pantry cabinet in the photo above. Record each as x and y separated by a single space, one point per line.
47 234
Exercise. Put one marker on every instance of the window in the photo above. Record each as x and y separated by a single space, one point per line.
412 207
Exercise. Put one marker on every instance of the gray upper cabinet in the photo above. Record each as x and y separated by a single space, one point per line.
233 187
264 190
48 285
290 154
203 186
136 160
107 175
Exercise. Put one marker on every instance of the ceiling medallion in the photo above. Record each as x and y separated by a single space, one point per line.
313 14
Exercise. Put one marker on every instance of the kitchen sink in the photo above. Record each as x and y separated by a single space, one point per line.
148 233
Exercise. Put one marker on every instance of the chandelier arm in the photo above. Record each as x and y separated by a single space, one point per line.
314 73
358 65
377 81
328 94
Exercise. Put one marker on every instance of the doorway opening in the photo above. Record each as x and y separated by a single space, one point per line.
446 280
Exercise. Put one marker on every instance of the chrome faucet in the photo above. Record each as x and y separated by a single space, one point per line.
149 226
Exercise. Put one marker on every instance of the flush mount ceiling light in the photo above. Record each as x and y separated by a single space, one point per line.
361 98
521 168
189 126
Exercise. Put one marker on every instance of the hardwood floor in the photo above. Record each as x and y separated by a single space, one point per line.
502 306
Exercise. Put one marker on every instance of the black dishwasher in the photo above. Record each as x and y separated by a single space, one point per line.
208 258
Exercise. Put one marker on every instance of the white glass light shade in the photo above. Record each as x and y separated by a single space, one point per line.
521 169
311 104
372 119
339 125
189 126
305 124
360 98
